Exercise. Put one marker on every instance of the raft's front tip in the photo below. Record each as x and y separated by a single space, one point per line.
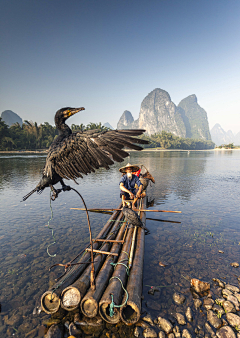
130 314
104 311
89 307
50 302
70 298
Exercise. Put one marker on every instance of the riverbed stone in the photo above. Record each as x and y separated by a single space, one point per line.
226 293
197 303
154 305
189 314
176 331
232 288
161 334
219 282
225 332
149 333
54 332
199 286
171 335
178 298
237 295
147 318
235 264
234 320
228 306
233 300
137 332
180 318
142 324
217 308
213 319
14 320
186 334
209 329
165 325
208 303
92 326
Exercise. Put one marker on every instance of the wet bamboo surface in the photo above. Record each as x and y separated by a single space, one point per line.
115 286
89 304
130 313
50 300
72 295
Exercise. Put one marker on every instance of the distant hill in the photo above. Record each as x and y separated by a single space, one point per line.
195 118
108 125
125 120
220 136
158 113
9 117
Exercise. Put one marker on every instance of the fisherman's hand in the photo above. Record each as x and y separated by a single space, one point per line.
131 195
138 194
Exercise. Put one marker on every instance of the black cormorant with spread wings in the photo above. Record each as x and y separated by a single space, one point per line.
73 154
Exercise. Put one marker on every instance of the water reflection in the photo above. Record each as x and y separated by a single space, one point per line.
203 185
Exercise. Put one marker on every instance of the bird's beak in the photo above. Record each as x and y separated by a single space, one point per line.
73 111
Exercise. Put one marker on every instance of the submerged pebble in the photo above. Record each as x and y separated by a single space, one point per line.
180 319
149 333
199 286
233 320
178 298
235 264
188 314
225 332
213 319
228 306
186 334
165 325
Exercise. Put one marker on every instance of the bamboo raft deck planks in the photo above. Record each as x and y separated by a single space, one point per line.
112 249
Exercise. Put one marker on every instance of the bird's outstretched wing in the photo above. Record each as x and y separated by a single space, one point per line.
84 151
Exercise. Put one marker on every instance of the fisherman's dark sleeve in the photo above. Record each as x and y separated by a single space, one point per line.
123 180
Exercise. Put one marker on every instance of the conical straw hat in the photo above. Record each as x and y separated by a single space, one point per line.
134 168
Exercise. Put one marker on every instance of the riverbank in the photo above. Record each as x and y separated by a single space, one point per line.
45 151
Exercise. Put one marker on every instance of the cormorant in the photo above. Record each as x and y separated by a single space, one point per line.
133 218
75 153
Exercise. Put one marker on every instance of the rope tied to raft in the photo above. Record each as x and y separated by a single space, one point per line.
54 240
113 305
120 263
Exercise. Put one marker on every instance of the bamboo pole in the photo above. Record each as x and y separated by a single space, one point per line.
114 288
130 313
72 295
89 304
109 209
50 300
134 237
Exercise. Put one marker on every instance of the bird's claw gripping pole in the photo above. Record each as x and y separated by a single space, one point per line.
55 193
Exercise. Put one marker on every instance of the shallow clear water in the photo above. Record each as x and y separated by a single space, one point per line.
204 185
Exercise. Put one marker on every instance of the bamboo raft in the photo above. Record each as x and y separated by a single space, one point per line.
118 265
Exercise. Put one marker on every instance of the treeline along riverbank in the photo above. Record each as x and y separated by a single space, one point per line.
31 136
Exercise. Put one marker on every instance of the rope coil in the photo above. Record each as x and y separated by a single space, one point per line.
113 305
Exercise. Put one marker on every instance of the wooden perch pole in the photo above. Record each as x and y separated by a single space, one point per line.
109 209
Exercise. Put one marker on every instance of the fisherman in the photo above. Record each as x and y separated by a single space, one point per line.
130 185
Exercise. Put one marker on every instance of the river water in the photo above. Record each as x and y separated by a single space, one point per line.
204 185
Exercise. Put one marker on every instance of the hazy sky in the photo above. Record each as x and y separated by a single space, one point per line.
107 55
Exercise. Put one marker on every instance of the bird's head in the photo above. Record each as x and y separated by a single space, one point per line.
64 113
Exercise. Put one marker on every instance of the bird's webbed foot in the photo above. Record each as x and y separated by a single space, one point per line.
64 186
55 193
